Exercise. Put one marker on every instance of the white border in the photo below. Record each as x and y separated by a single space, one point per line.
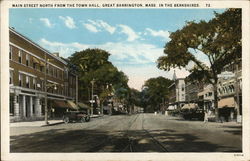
5 155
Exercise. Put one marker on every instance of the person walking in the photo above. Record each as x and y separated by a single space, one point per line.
205 116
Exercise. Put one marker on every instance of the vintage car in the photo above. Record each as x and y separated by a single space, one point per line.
71 116
192 111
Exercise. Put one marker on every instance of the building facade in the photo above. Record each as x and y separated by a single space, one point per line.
177 93
35 73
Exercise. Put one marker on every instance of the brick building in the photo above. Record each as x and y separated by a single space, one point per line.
27 61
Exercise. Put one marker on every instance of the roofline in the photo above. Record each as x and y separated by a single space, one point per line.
36 45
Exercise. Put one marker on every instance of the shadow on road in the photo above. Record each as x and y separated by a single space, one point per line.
62 140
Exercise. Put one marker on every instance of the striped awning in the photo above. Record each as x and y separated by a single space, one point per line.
42 63
82 105
226 102
190 106
72 105
35 60
60 104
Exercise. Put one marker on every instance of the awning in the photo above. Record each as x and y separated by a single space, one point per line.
226 102
60 104
171 107
35 60
42 63
72 105
82 105
190 106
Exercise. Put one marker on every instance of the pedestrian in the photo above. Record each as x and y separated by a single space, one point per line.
205 116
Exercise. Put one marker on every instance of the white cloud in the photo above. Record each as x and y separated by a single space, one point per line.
99 25
132 35
45 21
68 21
160 33
90 27
136 59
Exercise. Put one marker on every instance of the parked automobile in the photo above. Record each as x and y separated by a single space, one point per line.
71 116
189 114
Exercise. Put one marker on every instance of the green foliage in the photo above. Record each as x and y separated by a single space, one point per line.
219 40
155 92
94 65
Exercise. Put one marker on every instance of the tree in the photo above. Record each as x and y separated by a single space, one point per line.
94 65
156 92
219 40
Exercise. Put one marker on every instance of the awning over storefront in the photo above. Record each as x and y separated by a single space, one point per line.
72 105
171 107
82 105
226 102
190 106
42 63
60 104
35 60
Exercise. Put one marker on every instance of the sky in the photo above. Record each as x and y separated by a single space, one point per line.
135 38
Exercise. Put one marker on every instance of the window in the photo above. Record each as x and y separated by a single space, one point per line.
182 87
20 53
51 71
42 85
34 65
34 83
56 73
41 68
20 80
27 81
11 77
27 60
10 52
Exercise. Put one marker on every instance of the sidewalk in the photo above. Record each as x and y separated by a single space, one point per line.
41 123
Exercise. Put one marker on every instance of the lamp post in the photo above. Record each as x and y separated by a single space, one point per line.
92 95
46 93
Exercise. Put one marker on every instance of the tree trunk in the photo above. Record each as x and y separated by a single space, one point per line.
216 102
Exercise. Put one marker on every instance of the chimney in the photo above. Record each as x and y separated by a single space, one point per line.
56 54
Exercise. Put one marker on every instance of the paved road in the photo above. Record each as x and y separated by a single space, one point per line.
135 133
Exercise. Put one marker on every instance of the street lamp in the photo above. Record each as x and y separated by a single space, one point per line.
92 95
46 88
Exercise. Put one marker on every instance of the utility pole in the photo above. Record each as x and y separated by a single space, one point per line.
92 95
46 94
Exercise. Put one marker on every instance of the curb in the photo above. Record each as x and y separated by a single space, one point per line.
52 124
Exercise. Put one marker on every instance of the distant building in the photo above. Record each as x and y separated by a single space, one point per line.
177 93
230 91
27 62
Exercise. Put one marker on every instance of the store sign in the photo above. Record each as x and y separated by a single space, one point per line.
226 75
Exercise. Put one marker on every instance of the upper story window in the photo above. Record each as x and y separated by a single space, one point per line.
27 81
20 55
20 79
51 71
34 83
56 73
10 52
27 60
11 77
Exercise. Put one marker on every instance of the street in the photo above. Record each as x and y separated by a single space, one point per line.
129 133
